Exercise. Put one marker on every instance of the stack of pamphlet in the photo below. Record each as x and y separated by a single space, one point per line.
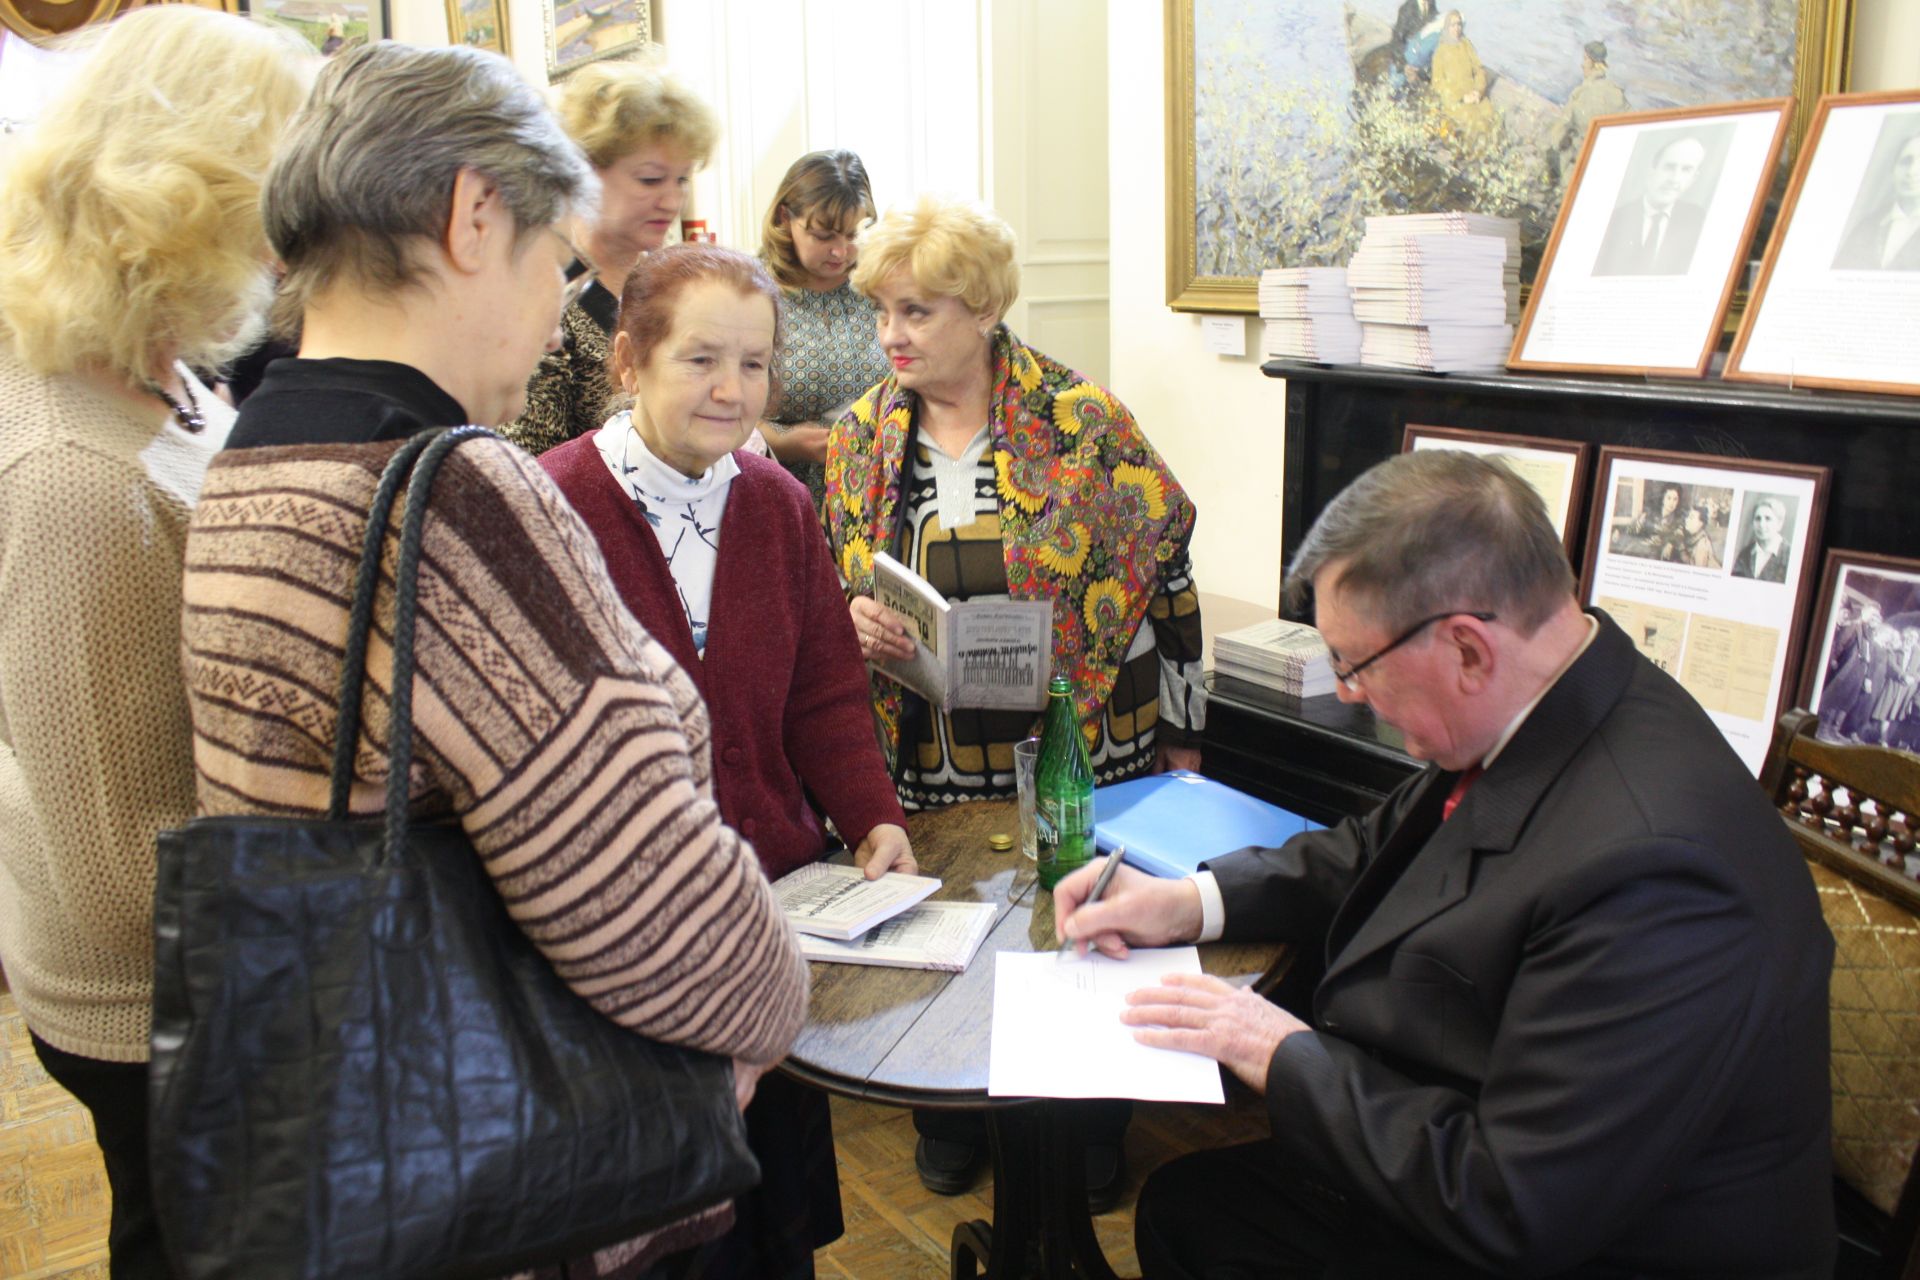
840 916
1309 315
1437 291
1289 657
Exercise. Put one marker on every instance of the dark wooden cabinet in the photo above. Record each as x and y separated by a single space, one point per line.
1323 758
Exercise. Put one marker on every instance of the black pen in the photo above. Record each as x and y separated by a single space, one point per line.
1100 884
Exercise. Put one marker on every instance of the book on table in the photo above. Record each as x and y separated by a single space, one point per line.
833 900
1172 822
933 935
967 653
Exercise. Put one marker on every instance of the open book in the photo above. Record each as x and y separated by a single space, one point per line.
933 935
837 901
967 653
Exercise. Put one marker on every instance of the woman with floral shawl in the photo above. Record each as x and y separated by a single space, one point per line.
992 470
1027 481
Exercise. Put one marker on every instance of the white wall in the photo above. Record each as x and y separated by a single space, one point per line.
1218 421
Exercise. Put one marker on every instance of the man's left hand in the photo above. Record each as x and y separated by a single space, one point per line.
1198 1013
885 849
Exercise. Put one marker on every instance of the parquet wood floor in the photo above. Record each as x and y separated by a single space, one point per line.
54 1200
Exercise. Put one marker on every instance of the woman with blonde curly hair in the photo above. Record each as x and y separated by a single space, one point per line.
992 470
131 250
645 133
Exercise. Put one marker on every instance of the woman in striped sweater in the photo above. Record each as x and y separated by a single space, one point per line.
564 739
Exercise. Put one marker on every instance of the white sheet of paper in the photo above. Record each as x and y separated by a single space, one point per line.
1057 1031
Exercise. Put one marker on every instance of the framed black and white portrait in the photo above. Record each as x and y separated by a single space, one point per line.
1862 676
1651 239
1840 285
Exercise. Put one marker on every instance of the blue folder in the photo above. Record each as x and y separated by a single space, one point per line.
1172 822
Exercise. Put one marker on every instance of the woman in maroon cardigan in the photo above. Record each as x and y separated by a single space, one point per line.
719 556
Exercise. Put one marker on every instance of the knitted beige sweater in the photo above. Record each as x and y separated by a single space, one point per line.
95 746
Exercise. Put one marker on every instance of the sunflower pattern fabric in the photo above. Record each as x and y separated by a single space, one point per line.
1087 515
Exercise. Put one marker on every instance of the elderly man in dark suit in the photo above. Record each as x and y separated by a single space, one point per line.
1655 233
1573 1018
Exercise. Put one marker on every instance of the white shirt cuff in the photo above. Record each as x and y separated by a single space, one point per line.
1213 909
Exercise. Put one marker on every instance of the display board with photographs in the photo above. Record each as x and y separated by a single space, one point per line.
1838 297
1557 469
1651 240
1707 563
1862 676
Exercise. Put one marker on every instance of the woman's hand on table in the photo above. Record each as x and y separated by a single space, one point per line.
882 632
1198 1013
1167 757
1137 909
793 442
746 1078
885 849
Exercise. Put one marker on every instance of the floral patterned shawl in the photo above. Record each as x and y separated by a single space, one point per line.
1088 511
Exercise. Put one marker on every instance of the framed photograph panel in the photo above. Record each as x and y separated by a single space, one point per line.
1839 291
1652 239
1707 563
1557 469
1862 676
479 23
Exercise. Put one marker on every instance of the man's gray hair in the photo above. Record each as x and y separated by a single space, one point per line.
367 169
1434 530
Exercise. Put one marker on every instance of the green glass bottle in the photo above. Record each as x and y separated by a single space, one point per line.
1063 789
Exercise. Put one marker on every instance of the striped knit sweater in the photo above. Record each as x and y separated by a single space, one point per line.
563 738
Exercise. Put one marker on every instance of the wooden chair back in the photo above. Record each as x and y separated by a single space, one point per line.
1855 811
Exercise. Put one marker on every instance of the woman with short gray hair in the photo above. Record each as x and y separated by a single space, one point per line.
416 208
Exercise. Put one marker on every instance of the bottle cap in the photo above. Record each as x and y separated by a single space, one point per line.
1000 842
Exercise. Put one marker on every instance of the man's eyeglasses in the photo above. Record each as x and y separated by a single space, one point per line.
1350 676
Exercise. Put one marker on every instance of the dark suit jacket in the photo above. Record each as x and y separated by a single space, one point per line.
783 678
1580 1027
1620 251
1775 570
1860 251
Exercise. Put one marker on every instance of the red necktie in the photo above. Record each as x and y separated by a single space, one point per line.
1460 785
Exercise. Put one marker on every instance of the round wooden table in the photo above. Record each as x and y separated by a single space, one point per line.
919 1038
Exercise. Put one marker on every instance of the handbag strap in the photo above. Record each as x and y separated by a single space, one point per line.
420 456
406 607
353 662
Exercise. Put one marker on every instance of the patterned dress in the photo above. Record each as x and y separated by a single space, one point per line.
829 354
571 392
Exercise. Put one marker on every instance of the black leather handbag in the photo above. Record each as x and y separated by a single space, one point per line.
362 1067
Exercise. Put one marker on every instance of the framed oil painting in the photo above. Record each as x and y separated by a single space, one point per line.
1707 562
1290 121
329 25
1863 668
1840 286
583 31
1652 238
480 23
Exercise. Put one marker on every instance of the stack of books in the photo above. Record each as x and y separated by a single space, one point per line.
1309 316
1437 291
1288 657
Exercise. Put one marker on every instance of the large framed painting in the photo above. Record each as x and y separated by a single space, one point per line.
1290 121
583 31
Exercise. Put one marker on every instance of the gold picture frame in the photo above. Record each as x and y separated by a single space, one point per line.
583 31
480 24
1822 37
